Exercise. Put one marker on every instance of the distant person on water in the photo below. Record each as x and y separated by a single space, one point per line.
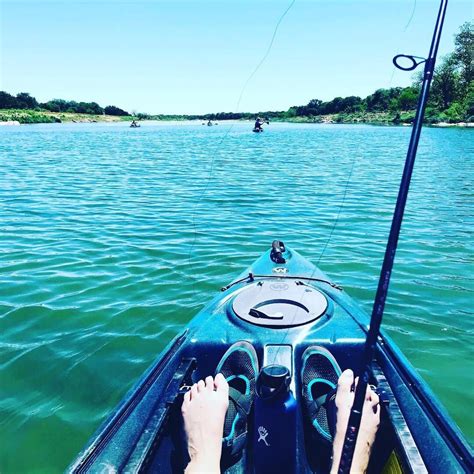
207 405
258 124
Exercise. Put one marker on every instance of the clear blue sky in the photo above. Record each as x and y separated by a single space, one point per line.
175 56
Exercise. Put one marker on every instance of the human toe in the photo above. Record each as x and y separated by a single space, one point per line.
186 401
221 384
201 386
187 398
345 381
209 383
344 393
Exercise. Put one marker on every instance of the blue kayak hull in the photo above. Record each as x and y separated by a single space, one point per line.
144 432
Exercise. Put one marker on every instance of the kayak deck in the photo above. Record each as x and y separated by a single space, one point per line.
145 432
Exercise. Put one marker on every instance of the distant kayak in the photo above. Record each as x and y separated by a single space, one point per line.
257 130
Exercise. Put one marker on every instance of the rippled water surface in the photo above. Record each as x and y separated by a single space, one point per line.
112 238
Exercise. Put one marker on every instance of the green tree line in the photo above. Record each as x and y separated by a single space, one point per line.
451 98
24 101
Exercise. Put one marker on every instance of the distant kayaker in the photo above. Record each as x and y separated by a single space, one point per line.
205 413
258 124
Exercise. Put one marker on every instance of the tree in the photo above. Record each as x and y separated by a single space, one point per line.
112 110
334 106
408 99
469 103
91 108
444 89
7 101
463 55
25 101
56 105
352 104
313 108
454 112
380 100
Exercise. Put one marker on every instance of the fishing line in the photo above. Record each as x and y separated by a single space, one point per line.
411 16
346 187
218 146
403 32
270 45
287 331
353 162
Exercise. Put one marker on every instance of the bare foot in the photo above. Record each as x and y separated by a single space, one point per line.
204 408
368 425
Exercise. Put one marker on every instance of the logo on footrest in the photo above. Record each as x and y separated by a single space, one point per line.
262 435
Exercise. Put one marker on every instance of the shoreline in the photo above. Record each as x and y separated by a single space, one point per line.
381 119
9 117
28 116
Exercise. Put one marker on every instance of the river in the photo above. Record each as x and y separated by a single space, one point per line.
112 238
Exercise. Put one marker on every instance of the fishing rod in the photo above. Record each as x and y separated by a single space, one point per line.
384 280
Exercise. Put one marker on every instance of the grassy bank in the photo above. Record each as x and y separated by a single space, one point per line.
382 118
39 116
375 118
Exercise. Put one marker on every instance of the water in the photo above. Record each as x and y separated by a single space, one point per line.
112 238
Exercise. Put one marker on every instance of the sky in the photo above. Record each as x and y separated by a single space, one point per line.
196 56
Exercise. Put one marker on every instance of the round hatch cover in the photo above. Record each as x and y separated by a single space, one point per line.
279 303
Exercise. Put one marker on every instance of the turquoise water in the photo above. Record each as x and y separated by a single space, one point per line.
112 238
